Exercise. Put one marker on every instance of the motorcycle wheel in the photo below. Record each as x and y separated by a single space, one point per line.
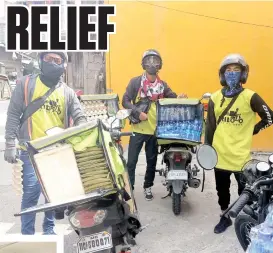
176 202
243 224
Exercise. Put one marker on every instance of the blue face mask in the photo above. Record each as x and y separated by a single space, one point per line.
232 79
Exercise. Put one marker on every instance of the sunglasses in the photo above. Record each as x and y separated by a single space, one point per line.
50 58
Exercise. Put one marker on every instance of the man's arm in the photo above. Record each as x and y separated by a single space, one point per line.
15 111
210 123
75 110
259 106
129 97
168 93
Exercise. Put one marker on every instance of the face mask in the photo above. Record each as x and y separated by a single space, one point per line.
232 79
52 71
152 70
152 64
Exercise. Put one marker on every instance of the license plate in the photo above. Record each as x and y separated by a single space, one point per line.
177 175
95 242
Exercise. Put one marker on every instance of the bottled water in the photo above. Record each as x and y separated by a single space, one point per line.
196 136
269 246
162 114
159 128
261 239
191 135
269 220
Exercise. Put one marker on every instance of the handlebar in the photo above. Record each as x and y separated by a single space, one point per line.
126 134
263 182
239 205
246 196
118 134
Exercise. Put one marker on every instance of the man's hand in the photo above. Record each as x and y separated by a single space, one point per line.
10 154
143 116
183 95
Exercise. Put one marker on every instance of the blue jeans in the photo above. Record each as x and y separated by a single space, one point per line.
32 192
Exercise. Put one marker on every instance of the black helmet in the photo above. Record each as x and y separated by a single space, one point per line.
233 59
62 54
154 57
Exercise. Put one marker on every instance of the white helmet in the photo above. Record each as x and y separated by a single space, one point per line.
234 59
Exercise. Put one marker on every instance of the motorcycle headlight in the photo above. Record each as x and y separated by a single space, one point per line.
249 171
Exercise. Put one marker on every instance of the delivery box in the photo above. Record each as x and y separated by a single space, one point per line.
79 161
179 120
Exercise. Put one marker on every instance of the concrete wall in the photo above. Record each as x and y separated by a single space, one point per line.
84 71
193 46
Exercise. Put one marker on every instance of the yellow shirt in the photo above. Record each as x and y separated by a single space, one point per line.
51 114
147 126
233 136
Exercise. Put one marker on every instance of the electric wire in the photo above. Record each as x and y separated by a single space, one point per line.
204 16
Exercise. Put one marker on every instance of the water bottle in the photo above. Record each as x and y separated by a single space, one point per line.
161 114
187 132
182 113
172 113
162 126
269 246
174 127
159 127
196 136
166 128
261 242
269 220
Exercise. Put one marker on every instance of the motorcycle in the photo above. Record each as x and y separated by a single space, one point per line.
255 200
178 172
105 218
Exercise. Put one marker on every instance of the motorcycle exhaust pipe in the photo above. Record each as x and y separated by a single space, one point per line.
194 183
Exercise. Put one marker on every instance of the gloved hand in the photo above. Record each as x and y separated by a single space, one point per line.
10 154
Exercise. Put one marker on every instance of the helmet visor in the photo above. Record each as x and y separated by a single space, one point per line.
152 61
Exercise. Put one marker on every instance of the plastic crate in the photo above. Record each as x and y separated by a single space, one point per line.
180 120
101 106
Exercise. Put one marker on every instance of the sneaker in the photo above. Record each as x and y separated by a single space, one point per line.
49 232
224 223
148 193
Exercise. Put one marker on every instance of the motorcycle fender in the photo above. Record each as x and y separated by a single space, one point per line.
177 186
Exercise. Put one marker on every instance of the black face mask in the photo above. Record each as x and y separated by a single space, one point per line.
152 70
51 73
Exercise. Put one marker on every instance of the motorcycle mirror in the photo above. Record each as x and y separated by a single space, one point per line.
262 166
207 157
206 95
270 160
123 114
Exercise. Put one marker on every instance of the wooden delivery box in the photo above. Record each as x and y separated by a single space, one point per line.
79 161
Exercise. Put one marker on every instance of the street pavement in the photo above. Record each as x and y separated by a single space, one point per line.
190 232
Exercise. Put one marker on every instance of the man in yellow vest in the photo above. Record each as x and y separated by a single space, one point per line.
147 87
230 132
59 106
